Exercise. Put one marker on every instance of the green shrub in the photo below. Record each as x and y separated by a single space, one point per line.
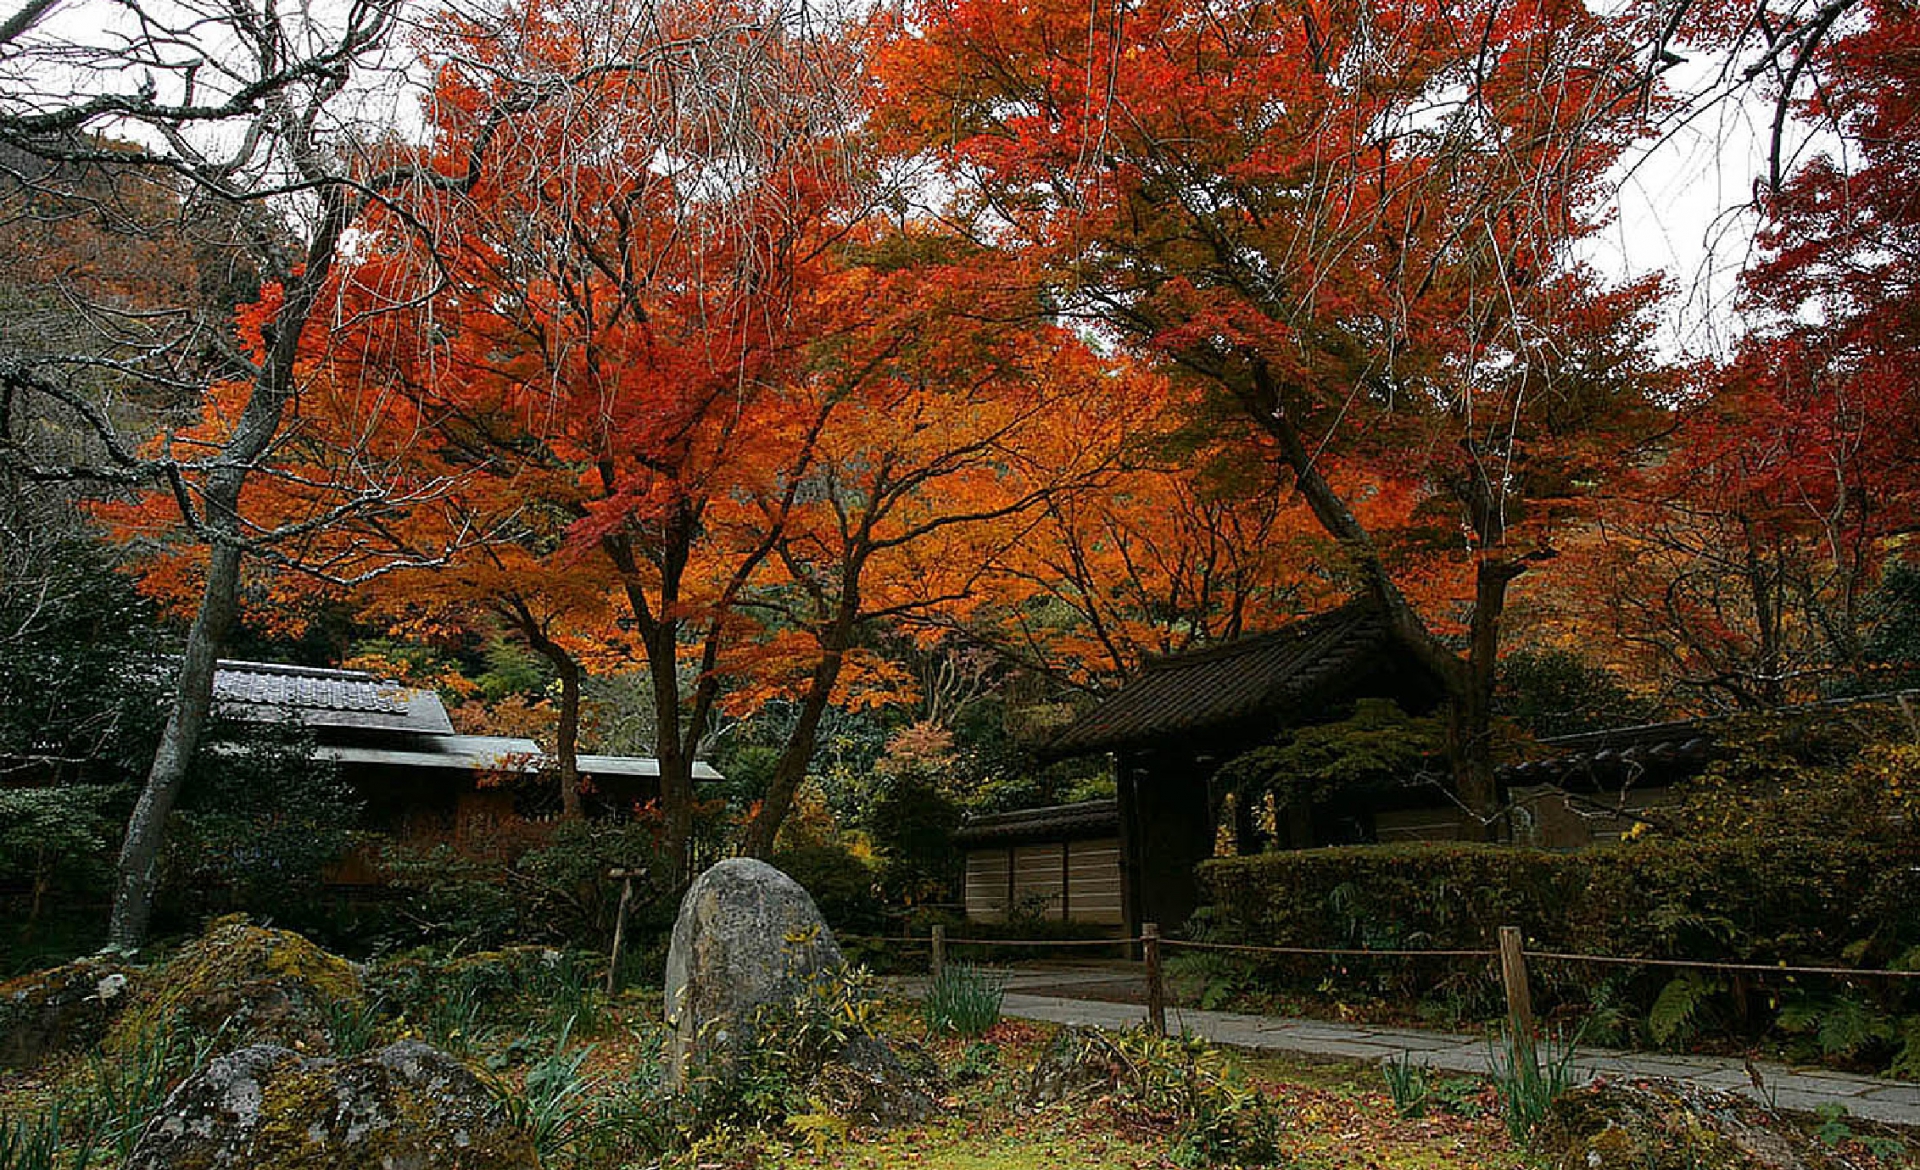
965 1000
563 893
58 841
840 881
258 823
441 896
1218 1118
553 887
453 1001
912 819
1794 900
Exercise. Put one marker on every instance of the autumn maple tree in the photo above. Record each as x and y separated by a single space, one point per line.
678 359
1351 221
942 416
1187 540
1739 562
244 110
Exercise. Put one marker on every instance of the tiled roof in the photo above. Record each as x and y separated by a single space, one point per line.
494 753
319 697
268 692
1685 744
1060 822
1676 748
1228 684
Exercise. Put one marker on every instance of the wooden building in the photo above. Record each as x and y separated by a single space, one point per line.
419 779
1591 787
1058 864
1171 728
1175 723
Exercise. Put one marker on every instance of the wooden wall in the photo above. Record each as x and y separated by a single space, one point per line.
1076 881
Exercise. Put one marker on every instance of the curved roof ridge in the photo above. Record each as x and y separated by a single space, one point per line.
1230 683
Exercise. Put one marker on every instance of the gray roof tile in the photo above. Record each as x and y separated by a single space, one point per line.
322 697
1228 684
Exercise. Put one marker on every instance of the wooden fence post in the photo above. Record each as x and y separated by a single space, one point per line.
626 877
1156 984
1513 976
939 951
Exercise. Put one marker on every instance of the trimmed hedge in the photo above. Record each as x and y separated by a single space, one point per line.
1799 901
1790 900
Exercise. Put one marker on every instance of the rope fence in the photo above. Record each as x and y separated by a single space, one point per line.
1335 952
1510 953
1713 965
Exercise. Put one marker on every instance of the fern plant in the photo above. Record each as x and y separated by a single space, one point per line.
1842 1025
1678 1011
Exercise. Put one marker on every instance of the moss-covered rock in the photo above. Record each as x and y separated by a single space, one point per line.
61 1009
1667 1125
1080 1062
873 1084
407 1107
246 984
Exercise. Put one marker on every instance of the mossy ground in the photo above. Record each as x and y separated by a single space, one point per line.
1339 1117
1336 1116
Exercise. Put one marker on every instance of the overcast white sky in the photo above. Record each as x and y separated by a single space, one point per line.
1685 207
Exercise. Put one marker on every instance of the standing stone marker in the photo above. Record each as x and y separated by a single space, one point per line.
747 934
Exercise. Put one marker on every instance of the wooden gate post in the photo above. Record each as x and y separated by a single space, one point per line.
626 877
1513 976
1156 984
939 951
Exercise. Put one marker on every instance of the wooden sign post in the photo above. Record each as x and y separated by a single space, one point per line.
1156 982
1513 976
625 878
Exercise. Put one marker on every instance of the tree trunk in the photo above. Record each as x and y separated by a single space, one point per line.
193 698
566 743
1468 725
252 438
764 829
660 634
1467 684
1470 711
566 735
676 767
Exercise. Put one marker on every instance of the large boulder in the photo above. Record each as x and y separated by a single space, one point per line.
246 984
407 1107
61 1009
747 935
1668 1125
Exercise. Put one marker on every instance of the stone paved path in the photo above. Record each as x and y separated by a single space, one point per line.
1868 1097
